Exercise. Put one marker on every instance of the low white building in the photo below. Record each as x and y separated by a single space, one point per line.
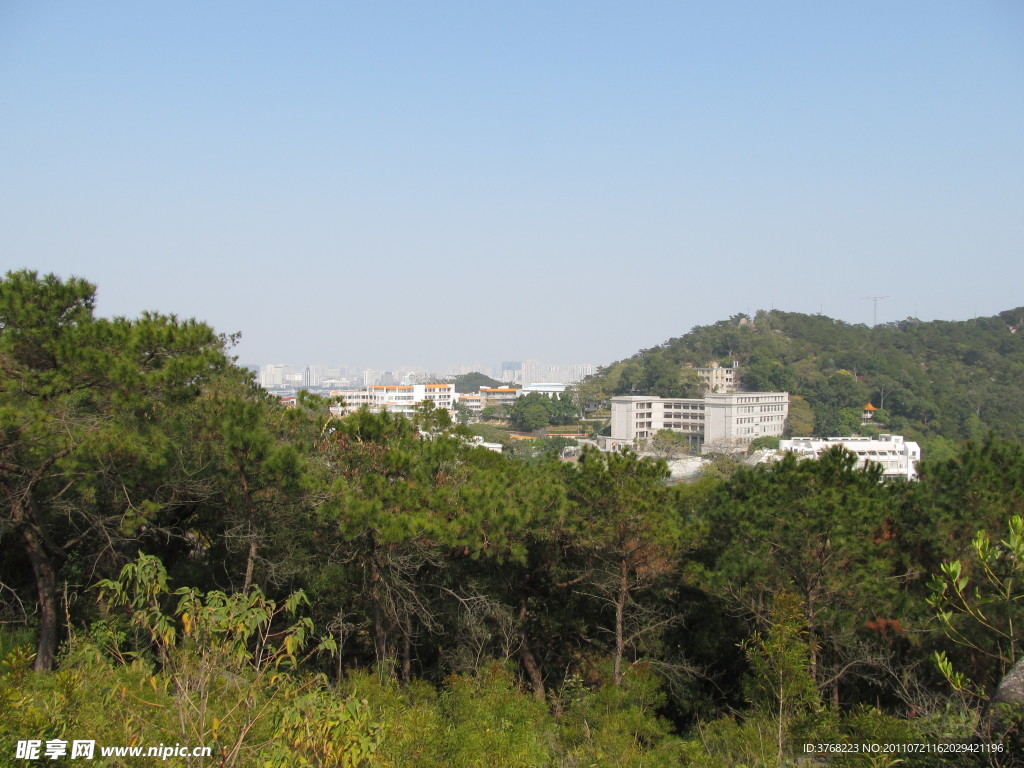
550 389
719 420
897 457
480 442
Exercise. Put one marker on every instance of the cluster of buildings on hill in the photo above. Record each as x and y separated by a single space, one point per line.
727 419
724 419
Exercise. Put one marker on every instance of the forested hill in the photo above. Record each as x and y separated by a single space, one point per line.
940 382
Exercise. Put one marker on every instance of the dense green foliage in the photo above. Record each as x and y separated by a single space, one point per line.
186 560
938 382
536 411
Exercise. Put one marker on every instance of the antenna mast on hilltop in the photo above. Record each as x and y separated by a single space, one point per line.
875 299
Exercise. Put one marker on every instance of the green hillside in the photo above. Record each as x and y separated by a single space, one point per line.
939 382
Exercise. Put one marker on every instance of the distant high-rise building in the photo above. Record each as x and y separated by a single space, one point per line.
581 371
369 377
275 375
532 372
310 377
512 371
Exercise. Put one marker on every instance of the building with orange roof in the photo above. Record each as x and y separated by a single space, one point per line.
403 398
497 396
471 401
398 398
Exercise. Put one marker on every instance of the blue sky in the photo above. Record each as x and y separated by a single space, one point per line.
425 183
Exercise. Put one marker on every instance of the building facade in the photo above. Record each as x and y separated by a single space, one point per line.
722 420
497 396
471 401
403 398
638 417
398 398
737 418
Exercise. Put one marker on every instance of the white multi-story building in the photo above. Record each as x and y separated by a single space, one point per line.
638 417
718 420
897 457
737 418
403 398
398 398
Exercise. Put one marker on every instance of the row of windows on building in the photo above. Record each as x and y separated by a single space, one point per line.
759 419
689 416
670 406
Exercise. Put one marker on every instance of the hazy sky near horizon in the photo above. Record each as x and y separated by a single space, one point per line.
429 183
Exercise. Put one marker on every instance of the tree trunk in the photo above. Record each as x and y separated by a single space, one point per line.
406 659
620 618
527 657
250 565
22 515
250 561
380 633
46 586
810 611
341 646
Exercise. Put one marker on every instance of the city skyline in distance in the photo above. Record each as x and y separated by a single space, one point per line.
285 376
